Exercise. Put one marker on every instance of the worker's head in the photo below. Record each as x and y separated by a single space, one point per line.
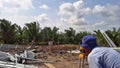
89 42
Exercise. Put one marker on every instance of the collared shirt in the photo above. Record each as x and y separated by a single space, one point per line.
103 57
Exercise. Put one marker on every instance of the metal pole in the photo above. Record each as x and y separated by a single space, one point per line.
81 63
107 38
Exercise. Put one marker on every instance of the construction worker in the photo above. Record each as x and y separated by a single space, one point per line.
99 57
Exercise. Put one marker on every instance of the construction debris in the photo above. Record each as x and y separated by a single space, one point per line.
49 65
15 65
61 56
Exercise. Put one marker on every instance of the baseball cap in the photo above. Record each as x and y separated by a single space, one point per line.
89 42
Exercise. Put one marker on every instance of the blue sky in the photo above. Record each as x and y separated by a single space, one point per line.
81 15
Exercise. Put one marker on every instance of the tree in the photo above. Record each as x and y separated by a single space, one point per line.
79 36
114 35
100 39
7 31
70 34
19 35
62 38
49 34
55 34
46 34
32 31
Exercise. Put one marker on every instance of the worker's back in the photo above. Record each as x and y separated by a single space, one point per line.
102 57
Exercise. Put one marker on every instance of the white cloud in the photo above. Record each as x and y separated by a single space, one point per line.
11 10
66 9
78 4
73 13
15 7
26 4
19 19
1 5
108 13
87 27
76 20
112 12
42 18
23 4
44 7
99 24
98 8
86 11
63 20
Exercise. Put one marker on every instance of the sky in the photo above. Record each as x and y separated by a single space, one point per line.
81 15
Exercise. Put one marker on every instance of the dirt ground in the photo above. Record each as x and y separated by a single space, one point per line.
57 55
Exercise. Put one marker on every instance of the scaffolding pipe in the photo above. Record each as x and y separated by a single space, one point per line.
107 38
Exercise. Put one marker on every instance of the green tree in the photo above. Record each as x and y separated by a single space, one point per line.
61 38
70 35
19 35
7 31
100 39
79 36
114 35
55 34
32 31
49 34
46 34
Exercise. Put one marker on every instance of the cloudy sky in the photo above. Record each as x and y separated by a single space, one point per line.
81 15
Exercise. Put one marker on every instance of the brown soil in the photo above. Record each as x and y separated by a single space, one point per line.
56 54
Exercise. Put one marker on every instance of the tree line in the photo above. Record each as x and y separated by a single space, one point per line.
14 34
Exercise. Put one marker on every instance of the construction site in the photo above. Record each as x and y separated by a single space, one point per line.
56 56
46 56
59 33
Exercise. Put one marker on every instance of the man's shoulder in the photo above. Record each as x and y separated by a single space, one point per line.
101 48
99 51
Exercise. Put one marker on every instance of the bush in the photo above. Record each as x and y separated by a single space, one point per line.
43 43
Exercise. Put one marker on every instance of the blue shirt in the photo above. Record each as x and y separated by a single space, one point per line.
102 57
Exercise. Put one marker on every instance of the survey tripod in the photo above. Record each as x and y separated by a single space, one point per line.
82 57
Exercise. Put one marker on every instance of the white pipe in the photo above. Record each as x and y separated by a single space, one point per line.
107 38
110 40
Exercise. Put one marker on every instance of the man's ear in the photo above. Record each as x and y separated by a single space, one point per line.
81 48
86 44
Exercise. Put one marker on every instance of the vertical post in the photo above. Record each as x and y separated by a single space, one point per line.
81 63
49 46
16 59
50 43
81 58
